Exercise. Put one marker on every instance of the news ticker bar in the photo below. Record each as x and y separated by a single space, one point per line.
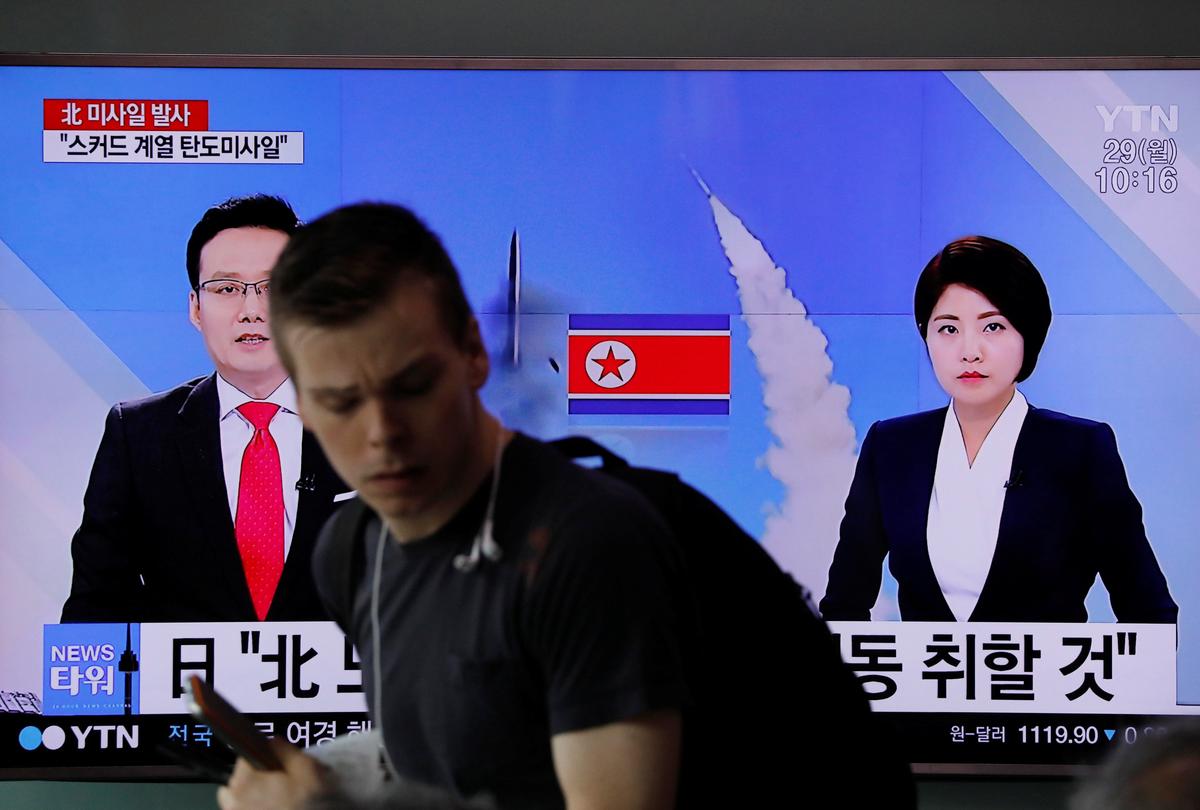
35 742
32 742
259 667
1019 739
115 669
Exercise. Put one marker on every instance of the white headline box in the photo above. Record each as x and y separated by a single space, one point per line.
176 146
1014 667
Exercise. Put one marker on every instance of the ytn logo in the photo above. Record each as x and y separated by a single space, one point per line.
1160 118
53 737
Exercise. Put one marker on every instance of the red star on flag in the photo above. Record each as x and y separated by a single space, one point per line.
610 365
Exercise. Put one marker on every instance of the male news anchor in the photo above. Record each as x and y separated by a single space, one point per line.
205 501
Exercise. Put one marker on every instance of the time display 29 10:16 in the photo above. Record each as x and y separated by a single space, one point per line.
1062 735
1121 179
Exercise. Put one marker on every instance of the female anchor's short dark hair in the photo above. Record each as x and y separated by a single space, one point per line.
1001 274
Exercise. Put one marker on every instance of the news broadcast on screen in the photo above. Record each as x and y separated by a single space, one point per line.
724 273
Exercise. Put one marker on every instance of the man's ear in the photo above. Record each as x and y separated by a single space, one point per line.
477 356
194 309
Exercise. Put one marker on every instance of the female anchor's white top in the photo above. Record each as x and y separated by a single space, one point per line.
966 503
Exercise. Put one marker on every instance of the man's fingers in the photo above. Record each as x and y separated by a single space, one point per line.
302 767
301 779
286 752
241 771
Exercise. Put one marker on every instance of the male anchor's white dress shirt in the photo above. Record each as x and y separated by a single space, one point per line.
236 433
966 504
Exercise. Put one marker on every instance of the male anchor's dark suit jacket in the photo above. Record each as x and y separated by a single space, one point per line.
1068 514
157 541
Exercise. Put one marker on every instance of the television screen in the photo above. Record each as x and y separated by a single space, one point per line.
711 271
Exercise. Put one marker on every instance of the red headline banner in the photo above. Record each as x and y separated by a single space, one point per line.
124 114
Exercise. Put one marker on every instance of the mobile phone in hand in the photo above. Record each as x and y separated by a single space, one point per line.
231 726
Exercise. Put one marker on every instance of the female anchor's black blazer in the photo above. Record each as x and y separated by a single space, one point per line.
1068 515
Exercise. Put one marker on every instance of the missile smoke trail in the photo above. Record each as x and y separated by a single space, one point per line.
813 452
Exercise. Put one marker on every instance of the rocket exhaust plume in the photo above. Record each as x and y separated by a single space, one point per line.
813 449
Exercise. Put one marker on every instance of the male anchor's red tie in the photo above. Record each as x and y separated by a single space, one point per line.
259 522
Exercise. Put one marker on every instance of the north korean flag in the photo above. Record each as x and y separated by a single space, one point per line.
648 364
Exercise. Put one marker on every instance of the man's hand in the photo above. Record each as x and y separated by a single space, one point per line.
301 780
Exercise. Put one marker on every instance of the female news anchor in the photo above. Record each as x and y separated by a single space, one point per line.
991 509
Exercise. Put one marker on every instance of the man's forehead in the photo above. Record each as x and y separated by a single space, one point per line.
366 371
384 340
401 331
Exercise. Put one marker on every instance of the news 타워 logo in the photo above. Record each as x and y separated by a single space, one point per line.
90 669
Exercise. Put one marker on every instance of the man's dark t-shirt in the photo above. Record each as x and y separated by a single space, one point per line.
577 625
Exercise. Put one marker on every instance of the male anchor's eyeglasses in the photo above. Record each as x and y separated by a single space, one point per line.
231 288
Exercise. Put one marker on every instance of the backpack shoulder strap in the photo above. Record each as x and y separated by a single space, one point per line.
345 556
577 447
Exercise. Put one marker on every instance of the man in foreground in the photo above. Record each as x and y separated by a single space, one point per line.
529 612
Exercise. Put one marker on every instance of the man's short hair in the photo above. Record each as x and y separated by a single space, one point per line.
255 211
341 266
1001 274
